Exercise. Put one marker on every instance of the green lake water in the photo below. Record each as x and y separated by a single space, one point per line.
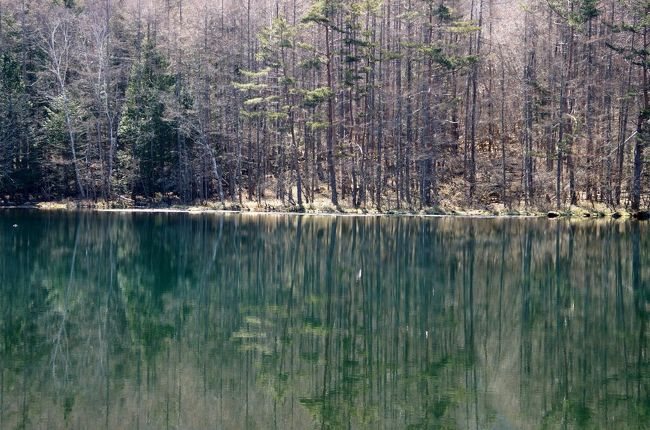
178 321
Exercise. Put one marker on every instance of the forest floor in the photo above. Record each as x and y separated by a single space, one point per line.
323 206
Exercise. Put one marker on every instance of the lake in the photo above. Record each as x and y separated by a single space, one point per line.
179 321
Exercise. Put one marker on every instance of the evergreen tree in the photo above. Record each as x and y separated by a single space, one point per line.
146 137
18 161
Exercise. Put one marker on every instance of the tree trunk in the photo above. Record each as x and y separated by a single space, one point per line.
330 118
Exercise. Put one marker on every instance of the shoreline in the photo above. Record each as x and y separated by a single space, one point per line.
571 213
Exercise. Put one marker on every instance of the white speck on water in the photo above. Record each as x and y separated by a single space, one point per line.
15 225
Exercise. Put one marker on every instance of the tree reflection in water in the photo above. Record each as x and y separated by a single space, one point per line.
180 321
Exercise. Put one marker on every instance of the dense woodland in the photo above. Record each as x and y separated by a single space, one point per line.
369 103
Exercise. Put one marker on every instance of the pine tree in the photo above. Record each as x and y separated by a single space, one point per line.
146 137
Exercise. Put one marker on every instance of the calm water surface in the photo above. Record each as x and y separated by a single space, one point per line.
176 321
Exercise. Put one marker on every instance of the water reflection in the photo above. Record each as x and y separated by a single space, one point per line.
171 321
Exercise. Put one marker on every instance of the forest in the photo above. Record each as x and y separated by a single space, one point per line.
369 104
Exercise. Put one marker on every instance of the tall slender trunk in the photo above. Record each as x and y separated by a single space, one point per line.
330 119
71 135
573 196
643 128
504 184
406 183
399 162
607 103
589 114
622 130
528 127
474 118
529 82
380 129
